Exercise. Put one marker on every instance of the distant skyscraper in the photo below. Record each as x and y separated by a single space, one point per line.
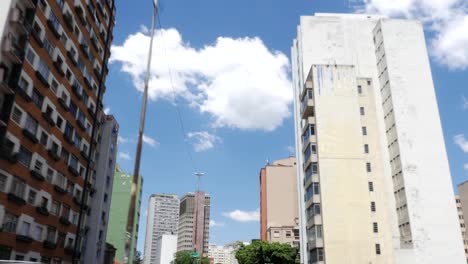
374 183
194 222
100 199
278 202
462 206
117 226
163 218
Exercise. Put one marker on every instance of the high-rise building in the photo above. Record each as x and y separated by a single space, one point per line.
462 206
194 222
162 218
373 178
462 224
94 245
117 226
53 67
221 255
278 202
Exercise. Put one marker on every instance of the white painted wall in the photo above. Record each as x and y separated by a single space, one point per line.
166 247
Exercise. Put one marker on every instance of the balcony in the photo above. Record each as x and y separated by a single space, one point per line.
30 3
72 58
73 171
49 244
53 28
14 198
42 210
30 135
310 155
81 15
7 151
37 175
24 239
64 221
58 67
69 250
59 189
307 104
48 118
64 104
13 49
37 38
53 154
67 17
18 21
4 87
42 79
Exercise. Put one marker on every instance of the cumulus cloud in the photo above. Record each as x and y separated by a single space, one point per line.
150 141
203 140
447 19
239 83
465 166
122 140
461 142
465 102
213 223
106 110
124 156
244 216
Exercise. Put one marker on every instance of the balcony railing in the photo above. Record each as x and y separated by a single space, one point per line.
13 49
307 104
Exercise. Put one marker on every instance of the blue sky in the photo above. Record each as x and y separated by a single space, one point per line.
221 94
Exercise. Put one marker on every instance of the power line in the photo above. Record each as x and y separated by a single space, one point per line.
179 115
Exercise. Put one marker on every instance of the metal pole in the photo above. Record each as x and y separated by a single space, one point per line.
136 172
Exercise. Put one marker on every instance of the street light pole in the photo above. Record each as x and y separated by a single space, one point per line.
136 172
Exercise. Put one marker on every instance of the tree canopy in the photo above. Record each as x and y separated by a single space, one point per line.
185 257
262 252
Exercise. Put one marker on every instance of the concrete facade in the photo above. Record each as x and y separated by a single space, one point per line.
278 202
462 207
117 226
163 218
194 222
365 109
95 242
165 248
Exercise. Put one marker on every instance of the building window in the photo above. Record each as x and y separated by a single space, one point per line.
359 89
31 124
18 187
25 229
361 110
375 227
3 181
51 234
55 208
5 252
37 98
44 70
65 211
44 202
9 223
44 138
38 233
373 207
316 255
30 55
366 148
368 167
377 249
32 196
364 131
371 186
16 115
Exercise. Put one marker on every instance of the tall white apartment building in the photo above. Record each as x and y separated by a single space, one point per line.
374 184
163 218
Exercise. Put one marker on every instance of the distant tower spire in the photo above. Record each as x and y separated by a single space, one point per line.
199 174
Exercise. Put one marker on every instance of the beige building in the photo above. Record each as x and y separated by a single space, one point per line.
462 206
278 202
222 255
370 187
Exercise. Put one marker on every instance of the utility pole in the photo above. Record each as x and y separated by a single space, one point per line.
136 172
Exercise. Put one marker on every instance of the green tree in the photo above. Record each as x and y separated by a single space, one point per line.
185 257
262 252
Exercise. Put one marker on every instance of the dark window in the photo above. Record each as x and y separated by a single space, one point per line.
368 167
37 98
5 252
377 249
361 110
24 156
373 208
375 227
371 186
359 89
366 148
364 131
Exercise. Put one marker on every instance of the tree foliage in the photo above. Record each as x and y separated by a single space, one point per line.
262 252
185 257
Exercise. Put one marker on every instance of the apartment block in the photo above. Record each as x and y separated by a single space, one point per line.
279 220
462 206
117 226
221 255
163 218
94 245
194 222
371 189
165 248
53 67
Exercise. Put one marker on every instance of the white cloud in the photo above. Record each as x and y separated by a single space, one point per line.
203 140
150 141
124 156
465 166
122 140
461 142
465 102
447 19
213 223
106 110
239 82
291 150
244 216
